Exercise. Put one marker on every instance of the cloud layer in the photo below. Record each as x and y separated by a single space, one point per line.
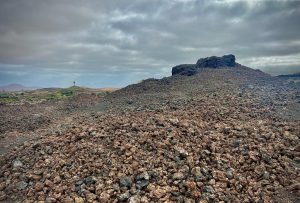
115 43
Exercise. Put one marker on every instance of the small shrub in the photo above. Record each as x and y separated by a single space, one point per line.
4 95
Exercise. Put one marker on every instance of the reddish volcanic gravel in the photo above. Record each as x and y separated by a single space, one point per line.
191 140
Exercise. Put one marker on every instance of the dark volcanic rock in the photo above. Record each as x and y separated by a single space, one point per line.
184 69
216 62
209 62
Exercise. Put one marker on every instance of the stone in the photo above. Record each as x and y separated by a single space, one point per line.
90 197
219 175
188 200
178 176
182 153
56 179
143 176
236 143
2 186
159 192
212 182
39 186
134 199
124 197
229 173
260 170
2 196
90 180
196 172
48 183
79 200
266 158
67 200
104 197
208 189
141 184
174 121
125 181
266 175
17 164
21 185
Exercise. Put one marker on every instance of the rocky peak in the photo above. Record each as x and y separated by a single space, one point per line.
216 62
209 62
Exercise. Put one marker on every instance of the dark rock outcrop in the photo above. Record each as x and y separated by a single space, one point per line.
209 62
216 62
184 69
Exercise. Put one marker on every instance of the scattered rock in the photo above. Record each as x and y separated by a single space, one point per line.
182 153
125 181
22 185
260 170
17 164
79 200
134 199
229 173
174 121
124 197
208 189
57 179
142 184
178 176
39 186
2 196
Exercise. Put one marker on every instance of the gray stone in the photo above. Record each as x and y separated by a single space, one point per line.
124 197
143 176
90 180
229 173
266 158
125 182
208 189
178 176
17 163
142 184
236 143
266 175
21 185
134 199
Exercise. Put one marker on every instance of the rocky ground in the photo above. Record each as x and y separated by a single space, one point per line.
226 135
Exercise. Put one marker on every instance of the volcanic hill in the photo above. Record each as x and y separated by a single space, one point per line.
214 131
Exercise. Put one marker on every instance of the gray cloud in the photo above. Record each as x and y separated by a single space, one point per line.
127 41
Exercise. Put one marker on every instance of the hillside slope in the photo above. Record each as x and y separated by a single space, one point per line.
218 135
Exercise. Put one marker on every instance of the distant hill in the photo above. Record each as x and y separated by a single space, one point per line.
16 87
294 75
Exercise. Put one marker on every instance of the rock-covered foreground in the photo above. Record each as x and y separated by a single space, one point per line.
219 135
209 150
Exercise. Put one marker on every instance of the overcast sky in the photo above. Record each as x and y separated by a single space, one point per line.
104 43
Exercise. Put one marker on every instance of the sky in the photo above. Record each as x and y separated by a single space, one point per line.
113 43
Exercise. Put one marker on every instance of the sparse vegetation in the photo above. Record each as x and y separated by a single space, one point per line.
48 94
